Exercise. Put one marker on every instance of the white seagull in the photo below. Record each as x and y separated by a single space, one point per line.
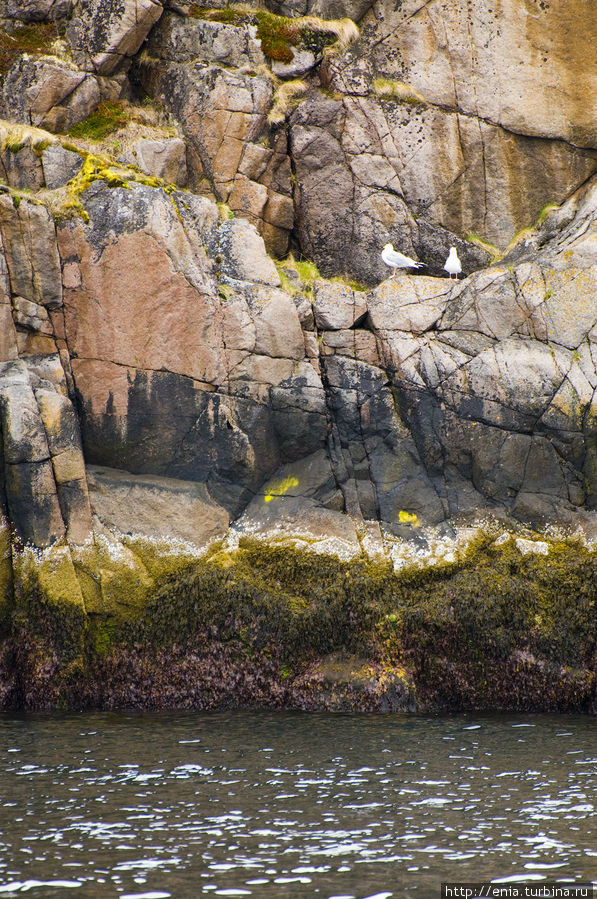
397 260
452 264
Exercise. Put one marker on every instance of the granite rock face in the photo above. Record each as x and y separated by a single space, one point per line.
182 382
166 336
429 126
48 93
35 10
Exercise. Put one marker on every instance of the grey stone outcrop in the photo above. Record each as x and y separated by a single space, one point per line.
48 93
105 33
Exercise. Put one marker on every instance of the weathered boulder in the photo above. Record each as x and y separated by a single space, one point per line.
325 9
8 336
59 165
31 316
242 253
103 34
302 62
337 306
155 507
35 10
48 93
44 473
166 159
21 166
184 39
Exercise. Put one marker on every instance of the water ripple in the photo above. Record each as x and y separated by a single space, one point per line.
282 806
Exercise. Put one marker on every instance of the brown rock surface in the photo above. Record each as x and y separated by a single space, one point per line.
32 260
155 507
522 67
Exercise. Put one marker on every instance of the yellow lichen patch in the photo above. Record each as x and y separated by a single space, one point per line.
408 518
102 168
279 488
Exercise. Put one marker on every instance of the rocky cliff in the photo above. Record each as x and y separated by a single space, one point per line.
196 426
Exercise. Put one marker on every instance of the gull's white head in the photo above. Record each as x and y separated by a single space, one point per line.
388 246
452 250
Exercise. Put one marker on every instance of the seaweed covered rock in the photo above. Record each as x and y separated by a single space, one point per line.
129 623
347 684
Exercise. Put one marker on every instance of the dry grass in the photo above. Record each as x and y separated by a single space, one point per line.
12 133
345 30
286 97
388 89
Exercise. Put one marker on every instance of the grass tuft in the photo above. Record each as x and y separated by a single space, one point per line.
225 211
286 97
545 212
350 282
35 39
388 89
110 116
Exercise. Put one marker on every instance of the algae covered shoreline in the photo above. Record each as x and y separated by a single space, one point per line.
508 625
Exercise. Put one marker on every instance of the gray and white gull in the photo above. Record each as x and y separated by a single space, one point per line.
452 264
398 260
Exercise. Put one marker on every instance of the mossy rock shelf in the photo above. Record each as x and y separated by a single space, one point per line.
278 34
138 627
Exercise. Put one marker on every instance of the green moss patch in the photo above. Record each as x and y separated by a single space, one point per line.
35 39
102 168
109 116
